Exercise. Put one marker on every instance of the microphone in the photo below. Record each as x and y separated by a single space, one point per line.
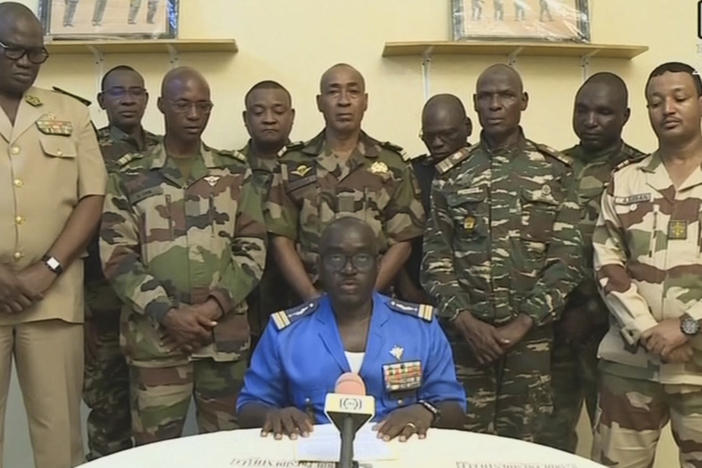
348 408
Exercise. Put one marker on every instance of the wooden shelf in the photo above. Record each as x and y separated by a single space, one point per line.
512 48
141 46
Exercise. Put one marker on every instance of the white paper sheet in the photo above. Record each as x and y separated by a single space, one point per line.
324 444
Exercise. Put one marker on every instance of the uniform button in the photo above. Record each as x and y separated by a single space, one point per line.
19 219
17 255
15 150
18 182
59 153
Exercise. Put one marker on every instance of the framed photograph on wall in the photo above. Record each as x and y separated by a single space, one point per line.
109 19
551 20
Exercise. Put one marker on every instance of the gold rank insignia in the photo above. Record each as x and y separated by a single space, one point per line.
397 352
469 223
212 180
301 170
546 190
402 376
32 100
49 126
379 168
677 229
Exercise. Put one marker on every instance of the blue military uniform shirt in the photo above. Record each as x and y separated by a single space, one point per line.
301 355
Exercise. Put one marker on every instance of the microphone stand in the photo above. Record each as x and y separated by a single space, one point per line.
347 437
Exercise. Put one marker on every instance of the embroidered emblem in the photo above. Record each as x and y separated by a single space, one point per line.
546 190
212 180
677 229
32 100
469 223
379 168
301 170
397 352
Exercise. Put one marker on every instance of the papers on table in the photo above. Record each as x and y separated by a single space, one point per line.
324 444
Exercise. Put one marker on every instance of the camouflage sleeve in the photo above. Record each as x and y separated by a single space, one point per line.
281 212
610 258
404 213
438 273
120 252
248 250
564 265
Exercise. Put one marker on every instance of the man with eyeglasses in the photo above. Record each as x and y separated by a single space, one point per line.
106 386
182 243
50 207
340 172
387 342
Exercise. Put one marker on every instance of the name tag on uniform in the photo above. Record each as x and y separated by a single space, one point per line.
677 229
632 199
55 127
402 376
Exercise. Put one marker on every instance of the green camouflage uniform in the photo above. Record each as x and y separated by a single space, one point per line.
272 293
648 264
574 364
312 186
502 240
167 241
106 375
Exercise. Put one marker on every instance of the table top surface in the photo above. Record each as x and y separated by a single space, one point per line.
246 448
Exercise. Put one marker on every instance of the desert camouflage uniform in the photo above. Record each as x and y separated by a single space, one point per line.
502 240
273 292
167 241
574 364
312 186
648 262
106 375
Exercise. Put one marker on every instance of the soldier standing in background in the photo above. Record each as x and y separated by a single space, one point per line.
599 115
501 253
341 172
106 380
135 5
182 243
445 130
268 119
648 260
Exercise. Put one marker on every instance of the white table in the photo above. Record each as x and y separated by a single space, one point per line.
246 448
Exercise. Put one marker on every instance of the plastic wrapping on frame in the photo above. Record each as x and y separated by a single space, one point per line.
547 20
109 19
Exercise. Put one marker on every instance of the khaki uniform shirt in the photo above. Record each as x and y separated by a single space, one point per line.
49 160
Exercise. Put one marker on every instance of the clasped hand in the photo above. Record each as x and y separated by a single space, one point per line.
488 342
20 290
667 341
190 327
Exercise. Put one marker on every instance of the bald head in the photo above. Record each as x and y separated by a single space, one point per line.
185 104
175 79
14 14
444 104
445 125
20 29
499 100
500 71
343 100
613 84
331 74
347 227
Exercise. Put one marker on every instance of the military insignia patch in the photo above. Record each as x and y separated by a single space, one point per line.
397 352
402 376
212 180
546 190
677 229
32 100
379 168
469 223
55 127
301 170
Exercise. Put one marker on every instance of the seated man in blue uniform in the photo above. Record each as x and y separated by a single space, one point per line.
397 348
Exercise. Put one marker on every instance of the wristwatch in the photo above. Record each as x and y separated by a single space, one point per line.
435 412
689 326
52 264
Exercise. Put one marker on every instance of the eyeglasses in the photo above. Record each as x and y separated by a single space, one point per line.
183 107
444 136
119 92
362 262
36 55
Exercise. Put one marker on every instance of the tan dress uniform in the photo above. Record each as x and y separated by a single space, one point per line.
49 160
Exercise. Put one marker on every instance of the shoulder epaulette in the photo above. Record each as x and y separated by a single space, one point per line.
129 157
630 161
393 147
422 311
80 99
547 150
449 162
232 154
295 145
284 318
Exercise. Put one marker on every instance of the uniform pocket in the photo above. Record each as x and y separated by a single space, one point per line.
469 212
58 146
539 210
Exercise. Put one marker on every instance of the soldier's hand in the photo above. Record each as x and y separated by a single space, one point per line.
679 355
187 328
288 421
403 422
514 331
664 337
209 309
15 295
482 337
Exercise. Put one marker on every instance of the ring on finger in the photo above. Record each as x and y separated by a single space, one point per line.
412 425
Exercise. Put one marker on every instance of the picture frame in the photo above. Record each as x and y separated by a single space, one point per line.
109 19
547 20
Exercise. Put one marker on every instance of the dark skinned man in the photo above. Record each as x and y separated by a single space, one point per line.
599 116
445 130
106 385
648 262
340 172
269 119
352 329
182 243
502 251
50 208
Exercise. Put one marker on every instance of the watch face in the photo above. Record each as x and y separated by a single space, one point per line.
689 326
53 263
